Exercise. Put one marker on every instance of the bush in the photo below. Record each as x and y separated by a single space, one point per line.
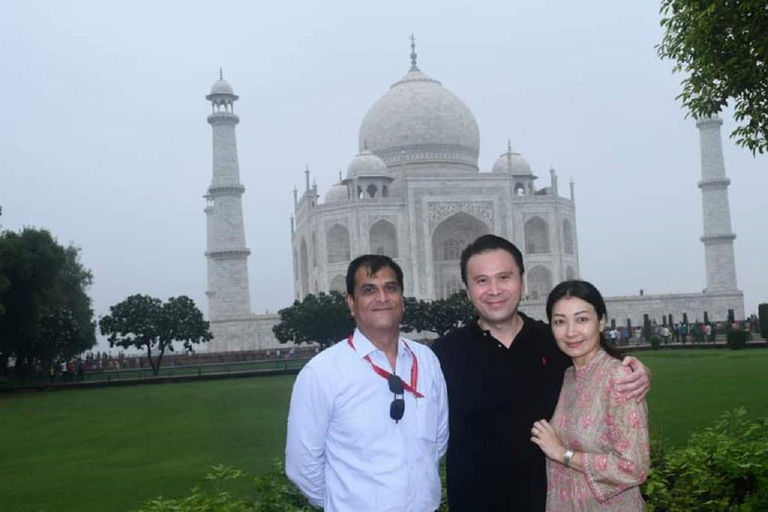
273 493
762 311
736 339
655 342
723 469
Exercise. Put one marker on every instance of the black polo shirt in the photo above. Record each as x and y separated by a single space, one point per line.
495 394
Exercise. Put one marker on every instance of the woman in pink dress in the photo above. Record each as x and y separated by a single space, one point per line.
596 443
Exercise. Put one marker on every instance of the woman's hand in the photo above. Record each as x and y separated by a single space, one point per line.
546 438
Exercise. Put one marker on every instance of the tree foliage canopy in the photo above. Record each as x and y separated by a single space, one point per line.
146 323
322 318
45 312
438 316
325 319
722 47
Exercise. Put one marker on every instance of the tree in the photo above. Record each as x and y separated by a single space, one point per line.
450 313
322 318
723 48
45 312
416 317
439 316
762 310
325 319
146 323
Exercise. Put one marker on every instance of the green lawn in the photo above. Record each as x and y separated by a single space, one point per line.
108 450
111 449
692 388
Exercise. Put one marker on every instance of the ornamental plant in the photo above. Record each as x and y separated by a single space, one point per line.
722 469
762 310
737 339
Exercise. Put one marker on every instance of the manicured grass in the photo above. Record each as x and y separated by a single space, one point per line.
112 449
693 388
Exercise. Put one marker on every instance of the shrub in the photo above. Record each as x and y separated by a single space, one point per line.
273 493
736 339
762 310
722 469
655 342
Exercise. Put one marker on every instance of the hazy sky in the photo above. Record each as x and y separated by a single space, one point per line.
104 139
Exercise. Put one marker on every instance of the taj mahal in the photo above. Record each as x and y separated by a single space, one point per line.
413 191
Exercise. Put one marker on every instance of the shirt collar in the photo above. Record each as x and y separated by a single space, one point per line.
364 347
587 369
474 326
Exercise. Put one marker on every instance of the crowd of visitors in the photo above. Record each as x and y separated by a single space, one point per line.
74 370
696 332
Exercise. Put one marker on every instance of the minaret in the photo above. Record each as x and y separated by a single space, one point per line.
553 181
228 291
718 237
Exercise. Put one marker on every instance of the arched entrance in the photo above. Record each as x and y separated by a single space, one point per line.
449 238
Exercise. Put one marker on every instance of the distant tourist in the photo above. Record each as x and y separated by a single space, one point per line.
696 332
613 335
624 335
597 441
368 420
665 335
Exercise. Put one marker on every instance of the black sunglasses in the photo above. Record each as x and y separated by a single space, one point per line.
397 407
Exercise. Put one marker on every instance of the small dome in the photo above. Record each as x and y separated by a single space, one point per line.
336 194
221 86
366 164
512 163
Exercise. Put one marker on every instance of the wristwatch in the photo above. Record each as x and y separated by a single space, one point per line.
567 458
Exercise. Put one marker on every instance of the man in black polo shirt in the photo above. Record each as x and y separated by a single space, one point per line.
503 372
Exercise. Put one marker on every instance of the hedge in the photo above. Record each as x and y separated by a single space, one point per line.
722 469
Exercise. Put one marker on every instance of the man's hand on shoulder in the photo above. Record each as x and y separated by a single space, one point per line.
637 383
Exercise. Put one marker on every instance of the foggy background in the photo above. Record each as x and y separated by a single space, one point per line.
104 139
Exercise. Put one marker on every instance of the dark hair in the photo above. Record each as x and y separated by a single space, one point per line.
372 263
587 292
488 243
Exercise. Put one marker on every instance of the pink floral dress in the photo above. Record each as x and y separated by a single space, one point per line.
612 434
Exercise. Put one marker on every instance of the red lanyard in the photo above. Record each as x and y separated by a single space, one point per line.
411 388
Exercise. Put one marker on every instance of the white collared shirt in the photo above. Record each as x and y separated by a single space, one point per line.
344 451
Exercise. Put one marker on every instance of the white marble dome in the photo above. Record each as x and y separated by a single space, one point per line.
366 164
512 163
221 86
337 194
419 120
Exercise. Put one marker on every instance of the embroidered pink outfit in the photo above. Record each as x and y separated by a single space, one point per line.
611 433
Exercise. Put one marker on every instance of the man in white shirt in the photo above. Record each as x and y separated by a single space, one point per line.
368 421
